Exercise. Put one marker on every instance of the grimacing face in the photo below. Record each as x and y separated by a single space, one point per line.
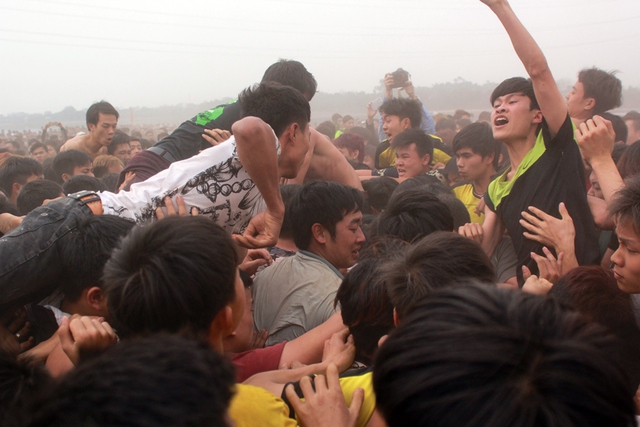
104 130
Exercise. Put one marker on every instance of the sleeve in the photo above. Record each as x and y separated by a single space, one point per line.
381 135
258 360
564 137
427 123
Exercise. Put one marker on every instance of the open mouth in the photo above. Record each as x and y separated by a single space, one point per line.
500 121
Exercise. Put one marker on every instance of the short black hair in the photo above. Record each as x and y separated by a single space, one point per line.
102 107
482 356
626 203
413 214
479 138
328 129
405 109
119 138
33 193
602 86
174 275
288 192
424 143
17 169
66 162
37 145
87 249
322 202
156 381
82 183
439 260
518 85
379 191
279 106
292 73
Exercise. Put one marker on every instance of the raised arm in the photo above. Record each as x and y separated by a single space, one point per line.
256 147
551 101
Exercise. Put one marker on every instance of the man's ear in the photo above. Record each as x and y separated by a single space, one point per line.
488 159
406 123
91 126
426 160
356 154
290 134
222 325
590 104
15 188
65 177
537 118
95 298
319 233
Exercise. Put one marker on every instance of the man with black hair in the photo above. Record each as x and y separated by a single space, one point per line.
477 155
480 356
15 173
213 126
295 295
595 92
120 147
34 193
102 121
83 183
70 163
153 381
532 119
38 152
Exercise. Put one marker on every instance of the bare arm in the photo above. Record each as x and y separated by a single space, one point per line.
257 152
328 164
308 347
551 101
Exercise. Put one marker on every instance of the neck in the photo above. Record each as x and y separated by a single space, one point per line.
286 244
518 150
480 185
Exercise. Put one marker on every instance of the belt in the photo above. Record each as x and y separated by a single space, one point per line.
163 153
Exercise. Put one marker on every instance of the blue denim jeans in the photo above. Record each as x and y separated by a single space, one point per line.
30 262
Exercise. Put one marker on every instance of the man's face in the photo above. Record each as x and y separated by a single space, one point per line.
136 147
472 166
409 163
123 152
293 154
626 259
576 101
393 125
39 154
342 251
105 128
83 170
349 124
595 190
512 117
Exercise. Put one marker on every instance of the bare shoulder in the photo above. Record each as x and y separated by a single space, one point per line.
75 143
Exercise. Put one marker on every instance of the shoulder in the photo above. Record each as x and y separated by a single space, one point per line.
252 403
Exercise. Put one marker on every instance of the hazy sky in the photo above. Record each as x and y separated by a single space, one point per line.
137 53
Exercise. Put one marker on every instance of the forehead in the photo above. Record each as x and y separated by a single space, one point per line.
353 217
625 230
409 149
388 117
509 96
465 150
107 118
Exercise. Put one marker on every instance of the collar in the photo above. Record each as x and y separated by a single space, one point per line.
312 255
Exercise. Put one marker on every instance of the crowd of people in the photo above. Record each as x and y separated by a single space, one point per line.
249 269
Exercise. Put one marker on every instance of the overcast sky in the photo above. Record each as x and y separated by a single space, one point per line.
137 53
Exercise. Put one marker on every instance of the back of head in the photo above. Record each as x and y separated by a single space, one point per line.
33 193
292 73
83 183
279 106
288 192
104 162
413 214
67 161
424 143
102 107
86 251
365 306
481 356
439 260
351 142
458 210
602 86
328 129
619 127
625 207
324 203
174 275
379 191
629 163
17 170
404 108
155 381
479 138
518 85
366 134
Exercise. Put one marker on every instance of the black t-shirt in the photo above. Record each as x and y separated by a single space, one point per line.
552 172
186 141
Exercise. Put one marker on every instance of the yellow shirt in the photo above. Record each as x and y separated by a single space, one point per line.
254 406
465 193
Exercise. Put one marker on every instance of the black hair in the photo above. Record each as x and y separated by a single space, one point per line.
427 182
174 275
67 161
119 138
437 261
33 193
288 192
328 129
602 86
518 85
482 356
629 162
424 143
347 118
279 106
322 202
626 204
405 109
413 214
619 127
102 107
368 136
155 381
86 250
81 183
366 308
110 180
292 73
17 169
37 145
458 210
479 138
379 191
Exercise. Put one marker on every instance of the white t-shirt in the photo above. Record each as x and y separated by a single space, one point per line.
214 181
